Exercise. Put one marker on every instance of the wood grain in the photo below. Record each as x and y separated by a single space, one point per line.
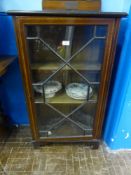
90 5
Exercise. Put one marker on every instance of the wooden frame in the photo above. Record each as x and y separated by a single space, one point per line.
113 26
90 5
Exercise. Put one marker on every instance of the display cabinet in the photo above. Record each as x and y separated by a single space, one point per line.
66 59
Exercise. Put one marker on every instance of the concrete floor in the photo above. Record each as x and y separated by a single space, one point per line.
18 157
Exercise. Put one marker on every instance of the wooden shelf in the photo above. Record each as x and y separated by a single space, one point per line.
55 66
64 99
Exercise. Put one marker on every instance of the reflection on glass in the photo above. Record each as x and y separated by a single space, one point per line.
65 66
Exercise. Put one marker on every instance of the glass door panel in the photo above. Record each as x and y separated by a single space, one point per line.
52 124
65 63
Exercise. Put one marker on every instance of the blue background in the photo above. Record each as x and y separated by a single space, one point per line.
117 130
118 124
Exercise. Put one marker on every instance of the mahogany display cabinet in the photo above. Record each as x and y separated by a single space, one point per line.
66 59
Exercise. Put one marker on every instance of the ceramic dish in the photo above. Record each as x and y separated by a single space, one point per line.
78 91
50 88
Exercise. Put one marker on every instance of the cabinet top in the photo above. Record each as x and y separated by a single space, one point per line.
68 13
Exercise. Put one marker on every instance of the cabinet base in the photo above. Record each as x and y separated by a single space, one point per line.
94 144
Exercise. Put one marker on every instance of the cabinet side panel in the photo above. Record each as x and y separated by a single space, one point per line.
106 75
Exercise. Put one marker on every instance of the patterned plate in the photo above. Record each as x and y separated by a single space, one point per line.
78 91
50 88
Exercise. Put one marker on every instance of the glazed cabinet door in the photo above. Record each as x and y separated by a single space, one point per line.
66 61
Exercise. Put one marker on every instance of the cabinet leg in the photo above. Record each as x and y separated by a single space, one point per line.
36 145
95 145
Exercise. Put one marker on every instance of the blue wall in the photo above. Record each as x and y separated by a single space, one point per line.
117 129
12 95
7 36
20 5
11 87
116 6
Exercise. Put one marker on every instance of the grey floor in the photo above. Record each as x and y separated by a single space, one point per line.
18 157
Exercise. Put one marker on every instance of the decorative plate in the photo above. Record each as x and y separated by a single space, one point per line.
78 91
50 88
